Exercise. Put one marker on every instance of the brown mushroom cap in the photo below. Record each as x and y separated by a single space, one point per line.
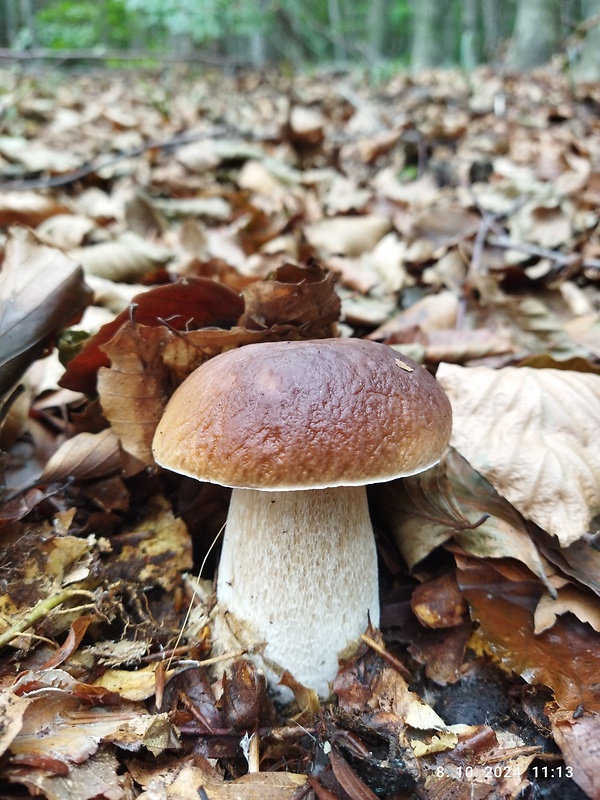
304 415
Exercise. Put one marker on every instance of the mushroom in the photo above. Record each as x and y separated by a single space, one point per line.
298 429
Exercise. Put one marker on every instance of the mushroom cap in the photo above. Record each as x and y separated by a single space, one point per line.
304 415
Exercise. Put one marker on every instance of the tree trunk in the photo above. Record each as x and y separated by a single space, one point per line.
493 29
469 45
588 67
28 21
335 21
427 45
536 33
8 23
377 23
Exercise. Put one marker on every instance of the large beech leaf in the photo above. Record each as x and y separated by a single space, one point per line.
451 500
534 434
41 291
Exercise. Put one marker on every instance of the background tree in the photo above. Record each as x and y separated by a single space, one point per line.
536 34
429 20
587 68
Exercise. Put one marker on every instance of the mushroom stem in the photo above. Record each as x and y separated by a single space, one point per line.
298 570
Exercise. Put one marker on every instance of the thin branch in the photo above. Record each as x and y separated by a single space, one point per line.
560 258
45 54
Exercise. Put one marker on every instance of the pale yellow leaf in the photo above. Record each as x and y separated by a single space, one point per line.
348 236
127 258
584 605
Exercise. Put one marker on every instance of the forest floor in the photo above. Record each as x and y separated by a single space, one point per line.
148 222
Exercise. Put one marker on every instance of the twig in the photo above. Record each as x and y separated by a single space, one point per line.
106 161
563 259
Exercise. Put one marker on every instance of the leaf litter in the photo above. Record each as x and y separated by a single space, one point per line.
407 212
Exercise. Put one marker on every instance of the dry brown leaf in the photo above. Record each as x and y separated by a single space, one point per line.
132 391
443 225
65 231
306 125
534 435
84 456
549 225
28 208
460 346
579 741
452 500
97 777
34 156
12 709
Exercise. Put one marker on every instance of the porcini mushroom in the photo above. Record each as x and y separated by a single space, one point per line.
298 429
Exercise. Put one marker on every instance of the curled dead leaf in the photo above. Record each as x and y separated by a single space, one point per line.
41 291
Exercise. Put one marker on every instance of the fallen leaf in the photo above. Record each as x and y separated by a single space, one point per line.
128 258
97 777
349 236
566 658
12 709
534 435
584 605
578 741
27 208
448 500
132 390
41 291
84 456
65 231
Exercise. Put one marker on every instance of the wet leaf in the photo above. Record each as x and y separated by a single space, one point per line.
566 658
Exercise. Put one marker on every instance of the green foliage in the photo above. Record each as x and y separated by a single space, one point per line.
69 24
202 21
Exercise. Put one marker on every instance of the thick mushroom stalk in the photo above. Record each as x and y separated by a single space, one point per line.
298 429
300 569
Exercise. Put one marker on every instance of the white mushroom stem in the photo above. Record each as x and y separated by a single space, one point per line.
299 571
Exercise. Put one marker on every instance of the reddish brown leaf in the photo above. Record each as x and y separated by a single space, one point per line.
320 791
187 305
566 658
71 643
299 296
348 779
